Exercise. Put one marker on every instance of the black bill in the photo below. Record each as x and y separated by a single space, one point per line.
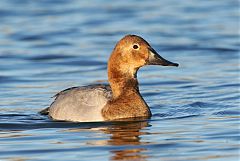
156 59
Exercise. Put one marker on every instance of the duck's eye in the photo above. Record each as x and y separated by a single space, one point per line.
135 47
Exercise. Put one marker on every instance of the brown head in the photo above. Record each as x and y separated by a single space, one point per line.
129 54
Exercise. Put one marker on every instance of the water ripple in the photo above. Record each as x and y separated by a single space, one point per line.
50 45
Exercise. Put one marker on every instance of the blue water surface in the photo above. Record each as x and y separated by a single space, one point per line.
49 45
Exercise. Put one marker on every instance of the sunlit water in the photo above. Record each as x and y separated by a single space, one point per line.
47 46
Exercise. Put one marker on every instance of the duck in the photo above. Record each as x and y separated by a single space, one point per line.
121 98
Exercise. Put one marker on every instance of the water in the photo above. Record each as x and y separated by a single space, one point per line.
47 46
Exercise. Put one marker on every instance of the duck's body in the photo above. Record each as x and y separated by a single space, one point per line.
122 98
95 103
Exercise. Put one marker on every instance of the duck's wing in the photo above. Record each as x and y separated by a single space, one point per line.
79 103
46 110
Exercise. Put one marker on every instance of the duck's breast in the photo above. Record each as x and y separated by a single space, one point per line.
82 104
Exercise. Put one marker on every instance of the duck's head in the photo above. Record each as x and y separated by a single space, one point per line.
131 53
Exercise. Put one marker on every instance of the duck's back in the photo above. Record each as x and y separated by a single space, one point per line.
82 104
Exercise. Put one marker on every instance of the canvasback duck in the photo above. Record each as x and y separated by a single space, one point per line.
119 100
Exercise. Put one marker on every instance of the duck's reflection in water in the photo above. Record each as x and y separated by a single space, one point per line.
126 137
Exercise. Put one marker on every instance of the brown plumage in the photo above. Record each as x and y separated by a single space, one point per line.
123 65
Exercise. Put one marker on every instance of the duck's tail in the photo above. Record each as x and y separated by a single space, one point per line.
44 111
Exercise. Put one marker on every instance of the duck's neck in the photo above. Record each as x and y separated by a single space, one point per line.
122 83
